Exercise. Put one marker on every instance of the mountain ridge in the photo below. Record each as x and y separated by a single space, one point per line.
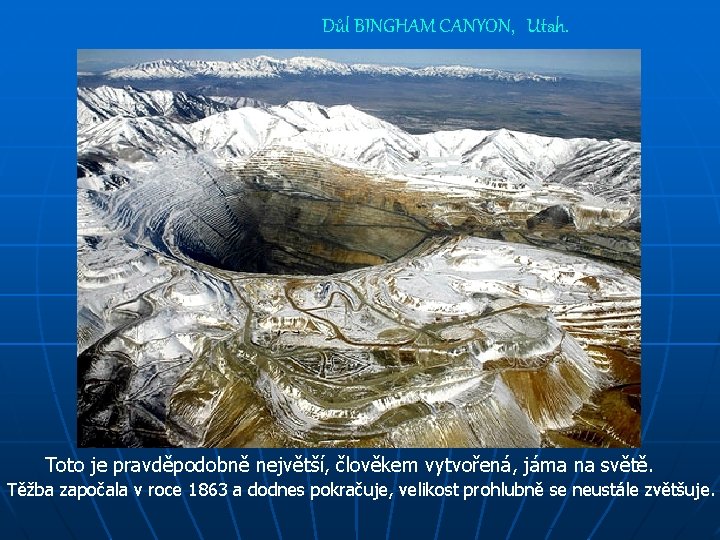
269 67
520 161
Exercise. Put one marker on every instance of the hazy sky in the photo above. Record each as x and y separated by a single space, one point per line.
579 61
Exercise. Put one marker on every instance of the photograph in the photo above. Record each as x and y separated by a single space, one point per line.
402 248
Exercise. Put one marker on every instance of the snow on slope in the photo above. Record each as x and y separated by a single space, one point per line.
349 135
136 139
512 155
341 132
95 105
607 169
241 131
308 115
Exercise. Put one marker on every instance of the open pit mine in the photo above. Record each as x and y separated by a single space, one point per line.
301 276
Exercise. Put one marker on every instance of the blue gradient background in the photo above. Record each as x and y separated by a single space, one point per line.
681 292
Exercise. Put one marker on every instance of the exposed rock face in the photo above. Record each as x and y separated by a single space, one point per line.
340 218
557 216
290 300
449 348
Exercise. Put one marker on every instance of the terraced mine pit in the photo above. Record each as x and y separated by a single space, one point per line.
311 218
296 214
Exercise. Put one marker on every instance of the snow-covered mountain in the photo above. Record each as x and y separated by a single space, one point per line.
95 105
142 128
266 66
607 169
136 139
241 131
